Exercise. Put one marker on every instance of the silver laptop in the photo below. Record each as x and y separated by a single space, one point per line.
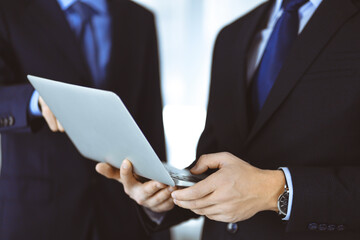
102 129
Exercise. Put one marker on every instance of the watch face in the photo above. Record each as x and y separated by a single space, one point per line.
283 202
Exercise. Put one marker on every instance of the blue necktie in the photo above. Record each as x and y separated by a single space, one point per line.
88 40
280 42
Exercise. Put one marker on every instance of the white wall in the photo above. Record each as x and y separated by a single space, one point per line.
187 30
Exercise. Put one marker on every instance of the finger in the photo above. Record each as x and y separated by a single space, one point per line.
150 188
164 206
160 197
215 217
126 175
108 171
143 192
213 161
195 204
50 119
197 191
48 115
41 101
59 126
209 211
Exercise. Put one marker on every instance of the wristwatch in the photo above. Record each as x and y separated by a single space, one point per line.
283 202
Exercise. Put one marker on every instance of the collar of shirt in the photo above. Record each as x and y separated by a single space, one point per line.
99 5
276 11
260 40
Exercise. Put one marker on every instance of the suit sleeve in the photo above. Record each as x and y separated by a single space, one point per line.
325 198
14 94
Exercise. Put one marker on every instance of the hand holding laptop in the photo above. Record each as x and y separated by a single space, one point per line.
102 129
49 117
152 194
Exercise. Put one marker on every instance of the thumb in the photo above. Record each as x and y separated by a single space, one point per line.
108 171
212 161
126 174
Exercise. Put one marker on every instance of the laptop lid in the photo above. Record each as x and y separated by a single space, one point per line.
100 126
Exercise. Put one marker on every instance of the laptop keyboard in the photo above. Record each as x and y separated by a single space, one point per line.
183 175
187 178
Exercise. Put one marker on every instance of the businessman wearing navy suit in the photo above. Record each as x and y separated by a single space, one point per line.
40 196
285 93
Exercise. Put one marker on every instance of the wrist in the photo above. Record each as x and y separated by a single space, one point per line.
276 182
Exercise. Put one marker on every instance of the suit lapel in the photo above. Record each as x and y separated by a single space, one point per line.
119 22
52 22
325 22
239 62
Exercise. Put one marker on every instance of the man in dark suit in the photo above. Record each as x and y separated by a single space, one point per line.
40 197
284 93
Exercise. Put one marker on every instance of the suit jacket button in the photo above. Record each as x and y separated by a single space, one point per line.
340 228
11 120
5 122
331 228
312 226
232 228
322 227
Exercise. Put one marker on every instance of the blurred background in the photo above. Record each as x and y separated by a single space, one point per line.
186 33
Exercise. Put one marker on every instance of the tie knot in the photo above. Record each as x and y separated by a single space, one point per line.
84 10
293 5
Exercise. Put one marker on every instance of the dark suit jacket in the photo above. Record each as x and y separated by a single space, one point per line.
309 123
47 190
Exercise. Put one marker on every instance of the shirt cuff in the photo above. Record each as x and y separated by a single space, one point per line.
34 105
291 191
154 216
